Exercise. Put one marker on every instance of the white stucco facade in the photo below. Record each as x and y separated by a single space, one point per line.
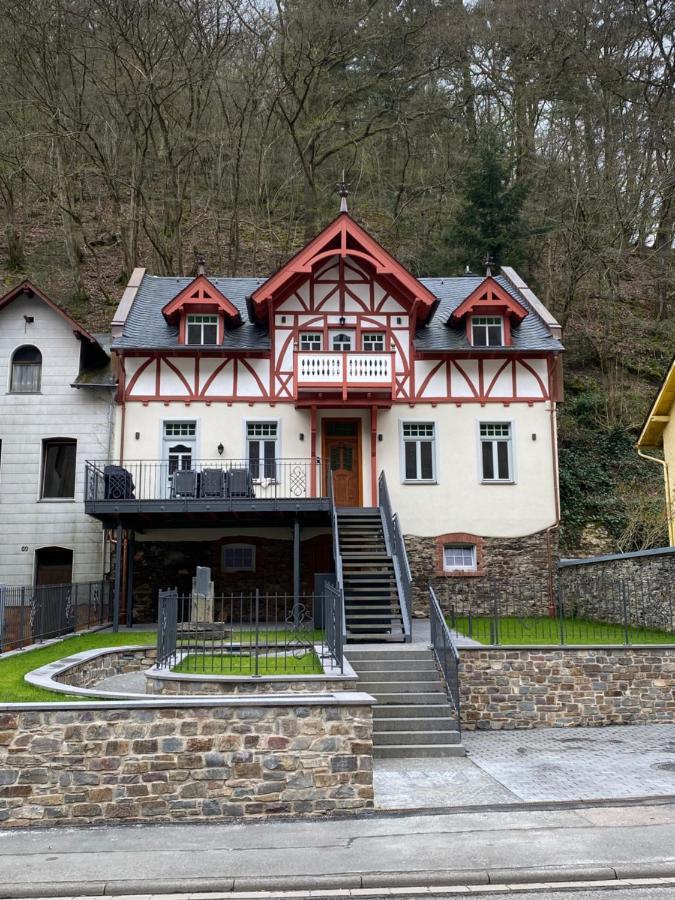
27 522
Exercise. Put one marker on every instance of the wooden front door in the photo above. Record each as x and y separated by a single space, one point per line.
342 451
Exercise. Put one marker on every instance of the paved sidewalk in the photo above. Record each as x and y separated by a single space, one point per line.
490 846
549 764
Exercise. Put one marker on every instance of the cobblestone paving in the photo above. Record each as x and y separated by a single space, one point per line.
542 764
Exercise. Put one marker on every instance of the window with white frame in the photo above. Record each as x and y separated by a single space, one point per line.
26 371
373 342
496 451
311 340
459 557
261 440
238 558
418 451
487 331
202 329
342 340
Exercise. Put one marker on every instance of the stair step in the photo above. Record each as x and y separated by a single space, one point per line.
396 738
405 698
387 656
436 711
413 723
422 678
418 751
368 638
401 687
366 666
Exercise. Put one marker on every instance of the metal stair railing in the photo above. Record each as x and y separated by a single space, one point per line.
396 549
336 551
445 651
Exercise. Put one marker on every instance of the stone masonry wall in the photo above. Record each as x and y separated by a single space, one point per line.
561 686
78 764
114 662
507 566
639 587
176 686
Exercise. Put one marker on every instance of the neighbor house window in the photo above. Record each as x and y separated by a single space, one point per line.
261 439
310 340
487 331
373 342
202 329
26 371
418 451
58 469
496 451
238 558
459 557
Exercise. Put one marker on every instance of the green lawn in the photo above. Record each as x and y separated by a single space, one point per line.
226 664
13 689
546 630
273 636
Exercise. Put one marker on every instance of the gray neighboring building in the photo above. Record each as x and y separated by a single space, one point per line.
56 410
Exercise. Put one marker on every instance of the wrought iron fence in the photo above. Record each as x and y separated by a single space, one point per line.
396 546
445 651
252 633
587 608
187 479
29 615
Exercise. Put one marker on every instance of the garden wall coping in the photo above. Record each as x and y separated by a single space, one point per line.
613 557
540 648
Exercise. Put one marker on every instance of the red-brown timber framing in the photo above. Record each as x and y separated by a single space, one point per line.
200 296
488 297
342 238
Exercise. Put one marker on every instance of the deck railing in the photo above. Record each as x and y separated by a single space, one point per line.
344 369
445 651
396 547
204 480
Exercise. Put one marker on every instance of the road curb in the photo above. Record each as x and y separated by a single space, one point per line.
347 882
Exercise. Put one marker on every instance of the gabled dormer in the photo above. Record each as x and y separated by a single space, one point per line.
202 314
489 313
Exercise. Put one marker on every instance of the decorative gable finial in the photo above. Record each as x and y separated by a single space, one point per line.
488 262
200 262
343 191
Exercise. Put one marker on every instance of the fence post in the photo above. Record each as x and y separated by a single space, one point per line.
624 603
560 599
494 621
257 629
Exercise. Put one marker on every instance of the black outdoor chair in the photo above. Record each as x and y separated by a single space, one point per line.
239 484
212 483
184 483
117 483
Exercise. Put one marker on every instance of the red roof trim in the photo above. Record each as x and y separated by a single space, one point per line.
206 294
27 286
490 294
344 226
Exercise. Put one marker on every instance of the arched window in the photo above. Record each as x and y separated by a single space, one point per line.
26 371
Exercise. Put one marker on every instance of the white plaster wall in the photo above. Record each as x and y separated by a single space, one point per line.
458 501
25 420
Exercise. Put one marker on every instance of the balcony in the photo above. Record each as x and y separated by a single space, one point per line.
202 487
344 372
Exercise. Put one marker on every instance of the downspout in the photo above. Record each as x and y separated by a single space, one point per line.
556 492
669 496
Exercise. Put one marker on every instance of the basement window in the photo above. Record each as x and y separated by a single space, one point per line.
459 557
238 558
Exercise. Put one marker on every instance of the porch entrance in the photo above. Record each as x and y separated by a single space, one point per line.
341 446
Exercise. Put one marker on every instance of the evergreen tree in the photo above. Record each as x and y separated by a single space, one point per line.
489 222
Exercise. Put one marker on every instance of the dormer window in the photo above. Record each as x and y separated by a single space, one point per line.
487 331
201 329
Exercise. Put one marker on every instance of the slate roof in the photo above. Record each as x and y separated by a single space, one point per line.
146 327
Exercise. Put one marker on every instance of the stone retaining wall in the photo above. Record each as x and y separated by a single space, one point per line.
113 662
158 761
174 685
526 562
555 686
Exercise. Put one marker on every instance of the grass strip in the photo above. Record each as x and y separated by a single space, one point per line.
546 630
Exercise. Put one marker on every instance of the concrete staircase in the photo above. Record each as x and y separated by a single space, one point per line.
372 606
413 716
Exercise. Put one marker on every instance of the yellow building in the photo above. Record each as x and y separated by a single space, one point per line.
658 432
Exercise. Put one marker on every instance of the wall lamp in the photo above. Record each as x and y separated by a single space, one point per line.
380 438
301 436
220 449
29 320
342 320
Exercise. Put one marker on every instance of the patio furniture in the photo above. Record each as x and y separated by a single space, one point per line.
239 484
184 484
212 483
117 483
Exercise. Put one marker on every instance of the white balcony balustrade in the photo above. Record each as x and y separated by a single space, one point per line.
344 370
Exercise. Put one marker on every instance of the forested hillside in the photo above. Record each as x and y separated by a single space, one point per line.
539 132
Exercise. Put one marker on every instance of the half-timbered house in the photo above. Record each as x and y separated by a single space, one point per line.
257 417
